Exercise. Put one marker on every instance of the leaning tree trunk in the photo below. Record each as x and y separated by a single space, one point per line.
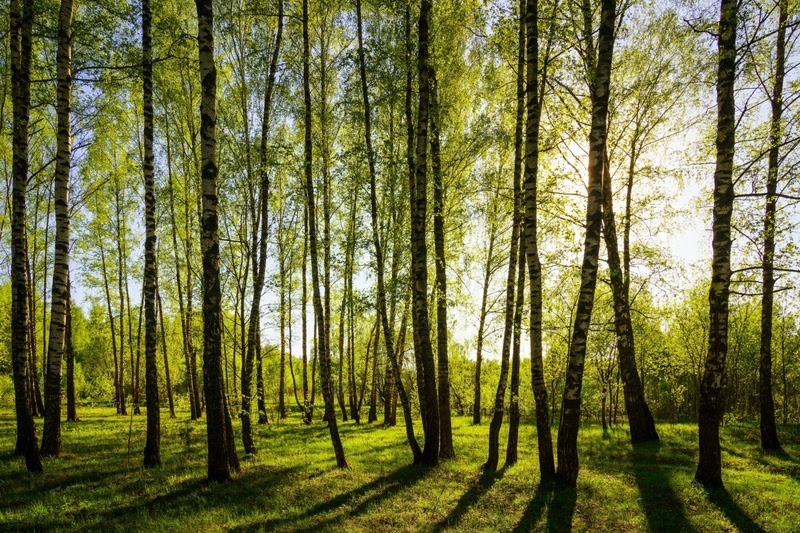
500 394
769 432
419 257
21 24
152 447
446 450
220 440
51 434
640 420
709 465
599 82
323 347
535 100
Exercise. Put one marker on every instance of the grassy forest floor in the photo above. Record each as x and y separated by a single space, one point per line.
292 484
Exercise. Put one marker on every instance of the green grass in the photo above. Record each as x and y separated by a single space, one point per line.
292 483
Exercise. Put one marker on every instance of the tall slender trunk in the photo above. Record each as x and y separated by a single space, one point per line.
134 360
342 316
37 405
369 355
324 45
188 248
247 364
640 420
400 351
220 439
513 402
139 343
121 297
191 385
446 450
783 376
258 288
304 317
419 258
535 101
499 401
313 377
235 338
411 156
383 316
300 404
167 377
282 309
322 340
769 432
372 415
69 356
152 448
51 434
351 348
709 465
599 80
21 24
390 393
626 227
38 393
487 276
119 398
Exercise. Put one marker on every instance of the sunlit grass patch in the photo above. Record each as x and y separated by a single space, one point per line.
292 482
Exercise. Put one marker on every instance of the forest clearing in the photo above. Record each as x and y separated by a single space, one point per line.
400 265
292 485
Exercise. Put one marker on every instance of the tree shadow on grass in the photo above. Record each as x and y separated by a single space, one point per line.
662 506
366 496
469 498
559 499
791 470
248 491
22 485
722 499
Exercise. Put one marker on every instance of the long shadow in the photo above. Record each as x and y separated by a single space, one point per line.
662 506
372 451
18 493
791 470
469 498
722 499
386 486
535 509
190 497
559 499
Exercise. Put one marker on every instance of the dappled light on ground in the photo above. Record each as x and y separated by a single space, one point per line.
292 483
